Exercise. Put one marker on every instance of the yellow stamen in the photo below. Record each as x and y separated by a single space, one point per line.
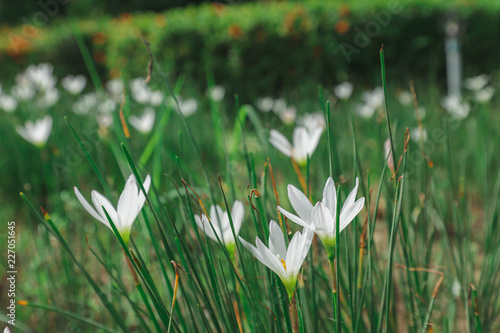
283 263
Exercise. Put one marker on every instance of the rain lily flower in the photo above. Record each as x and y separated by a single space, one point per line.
217 93
129 206
417 134
284 262
477 82
115 88
288 115
484 95
265 104
156 98
74 84
145 123
404 98
36 132
104 120
85 103
279 105
221 224
312 120
365 111
8 103
48 99
139 90
41 76
343 90
23 89
455 106
106 106
187 107
321 218
374 98
304 143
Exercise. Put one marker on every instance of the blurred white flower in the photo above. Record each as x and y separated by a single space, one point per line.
321 218
484 95
417 134
456 288
74 84
143 124
404 97
343 90
104 120
139 90
284 262
288 115
221 224
476 82
374 98
129 206
106 106
188 107
312 120
48 99
279 105
304 143
217 93
36 132
85 103
421 112
115 88
265 104
23 89
365 110
7 103
41 76
156 98
455 106
6 330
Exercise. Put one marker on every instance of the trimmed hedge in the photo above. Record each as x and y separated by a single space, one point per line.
267 48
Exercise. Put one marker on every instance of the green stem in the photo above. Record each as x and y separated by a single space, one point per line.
293 315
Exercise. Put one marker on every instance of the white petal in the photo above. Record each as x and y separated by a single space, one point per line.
281 143
352 196
347 215
99 201
237 215
300 203
127 203
89 208
273 262
276 240
204 225
313 141
330 197
300 143
254 251
142 198
324 225
295 218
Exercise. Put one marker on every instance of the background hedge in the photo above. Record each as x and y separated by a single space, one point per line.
262 48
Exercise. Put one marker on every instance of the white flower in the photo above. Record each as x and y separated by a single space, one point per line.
417 134
288 115
221 224
36 132
115 88
284 262
365 110
304 143
106 106
405 98
48 99
188 107
217 93
322 217
74 84
85 103
41 76
129 206
456 288
343 90
6 330
145 123
454 105
374 98
104 120
156 98
139 90
484 95
265 104
23 90
279 105
8 103
312 120
476 82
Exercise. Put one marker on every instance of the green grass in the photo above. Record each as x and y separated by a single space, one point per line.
437 217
